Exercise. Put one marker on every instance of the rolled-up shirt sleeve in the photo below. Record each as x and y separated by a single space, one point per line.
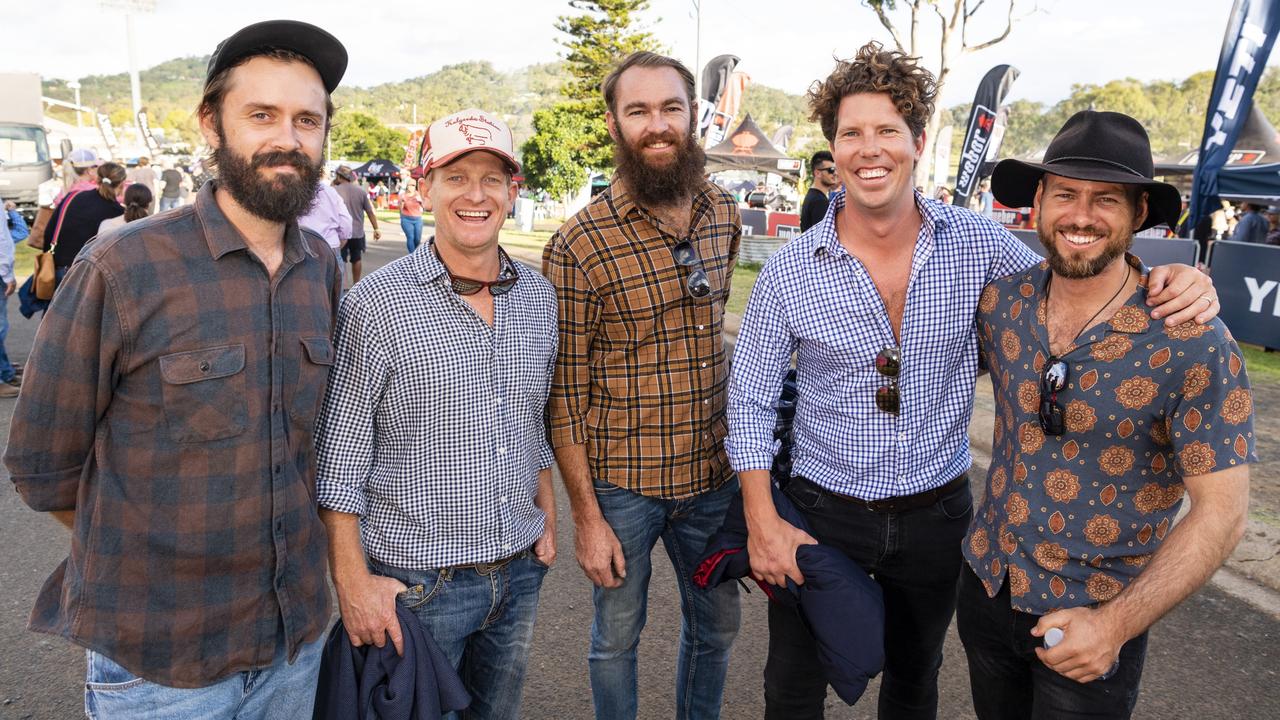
66 389
345 428
579 316
761 358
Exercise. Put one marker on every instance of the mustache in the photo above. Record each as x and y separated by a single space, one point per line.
294 158
1080 229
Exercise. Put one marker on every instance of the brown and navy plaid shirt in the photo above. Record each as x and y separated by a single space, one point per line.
169 401
641 374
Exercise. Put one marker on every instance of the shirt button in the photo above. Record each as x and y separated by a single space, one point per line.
706 402
277 469
502 499
506 546
204 367
701 327
502 451
902 437
704 364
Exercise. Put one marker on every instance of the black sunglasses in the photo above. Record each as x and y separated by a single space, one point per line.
507 277
889 364
697 284
831 169
1052 379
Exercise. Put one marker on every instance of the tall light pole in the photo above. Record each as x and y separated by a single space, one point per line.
697 47
131 8
74 85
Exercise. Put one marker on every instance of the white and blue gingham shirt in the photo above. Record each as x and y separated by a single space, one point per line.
433 430
814 298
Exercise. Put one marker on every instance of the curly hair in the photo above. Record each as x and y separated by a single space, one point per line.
912 88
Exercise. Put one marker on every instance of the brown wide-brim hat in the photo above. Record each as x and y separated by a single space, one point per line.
1097 146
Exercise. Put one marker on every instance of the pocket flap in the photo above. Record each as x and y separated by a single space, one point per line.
196 365
319 350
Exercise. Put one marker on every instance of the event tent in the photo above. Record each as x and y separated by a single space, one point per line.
747 148
377 170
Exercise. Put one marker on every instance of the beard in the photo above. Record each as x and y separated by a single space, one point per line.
1114 246
282 199
659 185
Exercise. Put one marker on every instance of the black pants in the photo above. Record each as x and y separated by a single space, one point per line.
1010 683
915 557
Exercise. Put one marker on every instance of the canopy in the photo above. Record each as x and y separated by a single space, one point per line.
747 148
1255 183
377 169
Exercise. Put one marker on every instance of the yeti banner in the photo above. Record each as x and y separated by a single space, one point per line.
1251 32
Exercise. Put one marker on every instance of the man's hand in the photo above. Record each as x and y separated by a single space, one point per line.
377 235
544 548
1090 643
8 289
368 606
599 553
772 544
1180 293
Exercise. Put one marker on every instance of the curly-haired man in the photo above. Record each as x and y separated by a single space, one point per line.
878 300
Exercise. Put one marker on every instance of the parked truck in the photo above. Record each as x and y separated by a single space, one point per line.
25 162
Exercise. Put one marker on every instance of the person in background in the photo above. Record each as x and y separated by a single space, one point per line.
144 174
137 205
825 181
986 201
76 219
9 380
171 194
411 215
943 195
84 163
329 217
17 224
1273 225
1251 227
358 207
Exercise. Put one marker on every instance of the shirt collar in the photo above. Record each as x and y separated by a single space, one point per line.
823 236
624 205
223 237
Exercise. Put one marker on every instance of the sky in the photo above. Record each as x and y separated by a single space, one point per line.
1054 43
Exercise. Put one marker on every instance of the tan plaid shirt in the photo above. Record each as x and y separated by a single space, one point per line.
641 374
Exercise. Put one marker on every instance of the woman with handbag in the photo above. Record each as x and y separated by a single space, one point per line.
76 219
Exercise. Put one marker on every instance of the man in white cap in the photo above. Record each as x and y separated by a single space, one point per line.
434 466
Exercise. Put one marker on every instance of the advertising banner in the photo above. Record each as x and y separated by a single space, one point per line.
1251 32
1246 277
981 131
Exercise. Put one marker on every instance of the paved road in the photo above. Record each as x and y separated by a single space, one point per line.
1214 657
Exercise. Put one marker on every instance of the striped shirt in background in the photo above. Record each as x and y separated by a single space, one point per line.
433 430
814 298
642 374
169 401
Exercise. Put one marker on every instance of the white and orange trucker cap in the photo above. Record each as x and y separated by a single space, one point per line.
462 132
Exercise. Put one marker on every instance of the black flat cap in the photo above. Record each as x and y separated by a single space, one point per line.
322 49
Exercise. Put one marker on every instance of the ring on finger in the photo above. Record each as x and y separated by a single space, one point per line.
1207 298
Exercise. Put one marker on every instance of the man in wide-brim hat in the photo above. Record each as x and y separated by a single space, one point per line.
1105 419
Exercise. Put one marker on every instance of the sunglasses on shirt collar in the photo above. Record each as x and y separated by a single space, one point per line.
507 277
698 285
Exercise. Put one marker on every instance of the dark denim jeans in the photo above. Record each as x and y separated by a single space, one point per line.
710 617
482 619
1009 681
915 558
6 368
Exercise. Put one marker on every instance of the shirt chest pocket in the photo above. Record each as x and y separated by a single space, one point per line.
311 376
204 393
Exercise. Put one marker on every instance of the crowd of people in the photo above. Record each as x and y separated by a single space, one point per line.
224 431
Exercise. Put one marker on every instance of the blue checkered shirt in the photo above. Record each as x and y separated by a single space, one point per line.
433 430
815 299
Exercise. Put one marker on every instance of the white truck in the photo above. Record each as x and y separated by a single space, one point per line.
25 162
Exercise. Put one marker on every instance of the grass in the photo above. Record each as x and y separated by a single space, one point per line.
1261 366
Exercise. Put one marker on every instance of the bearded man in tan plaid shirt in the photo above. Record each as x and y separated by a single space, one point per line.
637 404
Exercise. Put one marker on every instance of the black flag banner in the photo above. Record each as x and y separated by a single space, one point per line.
982 123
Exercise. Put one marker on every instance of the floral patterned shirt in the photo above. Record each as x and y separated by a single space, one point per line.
1072 519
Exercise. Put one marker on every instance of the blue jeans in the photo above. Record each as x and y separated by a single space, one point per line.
914 555
1008 680
481 617
6 367
710 617
169 203
412 227
282 690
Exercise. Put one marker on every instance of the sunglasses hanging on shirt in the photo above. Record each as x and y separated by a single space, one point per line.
698 285
507 277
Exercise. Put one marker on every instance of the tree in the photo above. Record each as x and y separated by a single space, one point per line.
571 138
953 18
361 136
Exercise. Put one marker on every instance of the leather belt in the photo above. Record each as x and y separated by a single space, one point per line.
486 568
897 504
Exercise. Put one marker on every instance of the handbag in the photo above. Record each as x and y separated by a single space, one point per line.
46 275
35 238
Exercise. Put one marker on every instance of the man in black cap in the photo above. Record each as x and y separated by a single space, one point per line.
1104 420
168 414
